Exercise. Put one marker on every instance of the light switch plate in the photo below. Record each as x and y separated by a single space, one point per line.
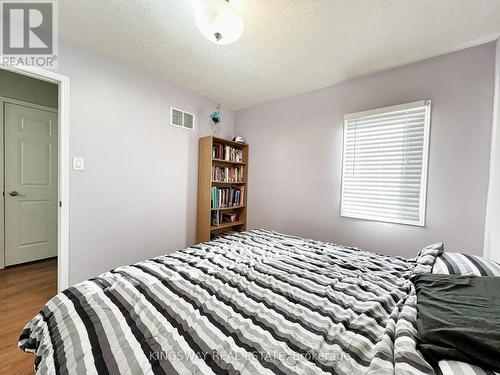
78 163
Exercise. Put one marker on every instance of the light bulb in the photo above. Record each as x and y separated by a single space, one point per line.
218 21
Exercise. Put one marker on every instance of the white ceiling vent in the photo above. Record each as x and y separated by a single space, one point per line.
181 119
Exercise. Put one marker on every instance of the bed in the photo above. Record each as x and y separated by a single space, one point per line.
255 302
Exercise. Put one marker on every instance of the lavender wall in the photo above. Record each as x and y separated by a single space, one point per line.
137 197
492 232
296 155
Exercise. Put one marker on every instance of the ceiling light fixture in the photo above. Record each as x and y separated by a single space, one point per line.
218 21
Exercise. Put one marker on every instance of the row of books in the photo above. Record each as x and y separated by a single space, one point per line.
219 217
227 174
228 197
227 153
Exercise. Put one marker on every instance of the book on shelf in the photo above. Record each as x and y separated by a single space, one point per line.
219 218
227 153
216 218
227 197
231 217
227 174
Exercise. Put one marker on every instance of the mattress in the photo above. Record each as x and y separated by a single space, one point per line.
256 302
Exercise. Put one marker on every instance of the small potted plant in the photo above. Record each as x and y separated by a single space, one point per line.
216 119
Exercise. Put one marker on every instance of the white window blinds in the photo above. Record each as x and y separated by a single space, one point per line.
384 174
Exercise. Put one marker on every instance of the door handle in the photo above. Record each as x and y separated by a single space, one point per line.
14 193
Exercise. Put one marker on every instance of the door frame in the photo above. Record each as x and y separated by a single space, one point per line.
63 168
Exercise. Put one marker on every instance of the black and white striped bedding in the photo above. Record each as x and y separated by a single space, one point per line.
256 302
463 264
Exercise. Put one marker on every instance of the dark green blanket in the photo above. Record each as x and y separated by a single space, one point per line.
459 318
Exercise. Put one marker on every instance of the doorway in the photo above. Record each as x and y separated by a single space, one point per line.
34 170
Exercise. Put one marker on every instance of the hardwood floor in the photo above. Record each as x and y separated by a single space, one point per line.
24 289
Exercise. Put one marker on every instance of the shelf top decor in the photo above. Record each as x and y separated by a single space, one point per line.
216 118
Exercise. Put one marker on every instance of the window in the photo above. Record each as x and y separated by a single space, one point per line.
384 175
181 118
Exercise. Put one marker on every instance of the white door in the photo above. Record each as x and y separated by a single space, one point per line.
30 184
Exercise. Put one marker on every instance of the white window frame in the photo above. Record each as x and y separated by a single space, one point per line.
425 161
183 111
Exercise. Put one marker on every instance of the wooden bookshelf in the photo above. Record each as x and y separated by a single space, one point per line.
205 229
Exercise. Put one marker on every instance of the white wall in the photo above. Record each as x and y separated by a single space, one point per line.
296 155
137 197
492 232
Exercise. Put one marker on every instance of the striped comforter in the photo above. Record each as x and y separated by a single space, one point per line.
256 302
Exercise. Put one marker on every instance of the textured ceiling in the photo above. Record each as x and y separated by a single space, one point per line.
288 46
